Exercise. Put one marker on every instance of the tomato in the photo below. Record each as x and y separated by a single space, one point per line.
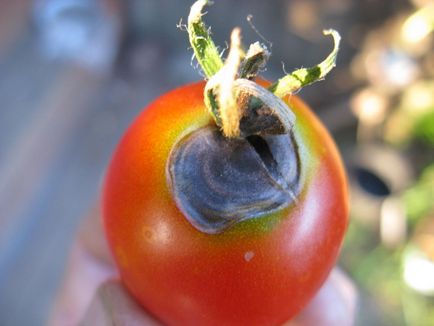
260 271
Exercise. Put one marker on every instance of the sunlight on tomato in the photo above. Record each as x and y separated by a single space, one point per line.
260 271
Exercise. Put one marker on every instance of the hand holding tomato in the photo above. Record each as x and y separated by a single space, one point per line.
225 202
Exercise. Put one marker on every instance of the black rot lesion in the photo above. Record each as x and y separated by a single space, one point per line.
218 182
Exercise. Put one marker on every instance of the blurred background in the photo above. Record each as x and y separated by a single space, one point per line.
74 73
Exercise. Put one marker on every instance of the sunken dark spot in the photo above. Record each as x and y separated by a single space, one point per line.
217 182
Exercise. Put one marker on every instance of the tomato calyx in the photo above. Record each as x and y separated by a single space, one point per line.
227 84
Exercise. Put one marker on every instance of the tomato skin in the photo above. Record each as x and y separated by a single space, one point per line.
259 272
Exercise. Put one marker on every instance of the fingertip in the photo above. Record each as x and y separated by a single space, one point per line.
334 304
112 305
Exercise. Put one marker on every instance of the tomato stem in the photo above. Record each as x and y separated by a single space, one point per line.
221 87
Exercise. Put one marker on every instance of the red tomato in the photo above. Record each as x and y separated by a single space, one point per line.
258 272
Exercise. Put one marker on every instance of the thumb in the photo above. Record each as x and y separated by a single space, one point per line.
112 305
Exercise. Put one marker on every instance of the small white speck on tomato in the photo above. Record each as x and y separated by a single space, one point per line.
248 255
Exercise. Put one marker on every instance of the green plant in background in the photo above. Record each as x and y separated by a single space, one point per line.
396 109
424 127
419 199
